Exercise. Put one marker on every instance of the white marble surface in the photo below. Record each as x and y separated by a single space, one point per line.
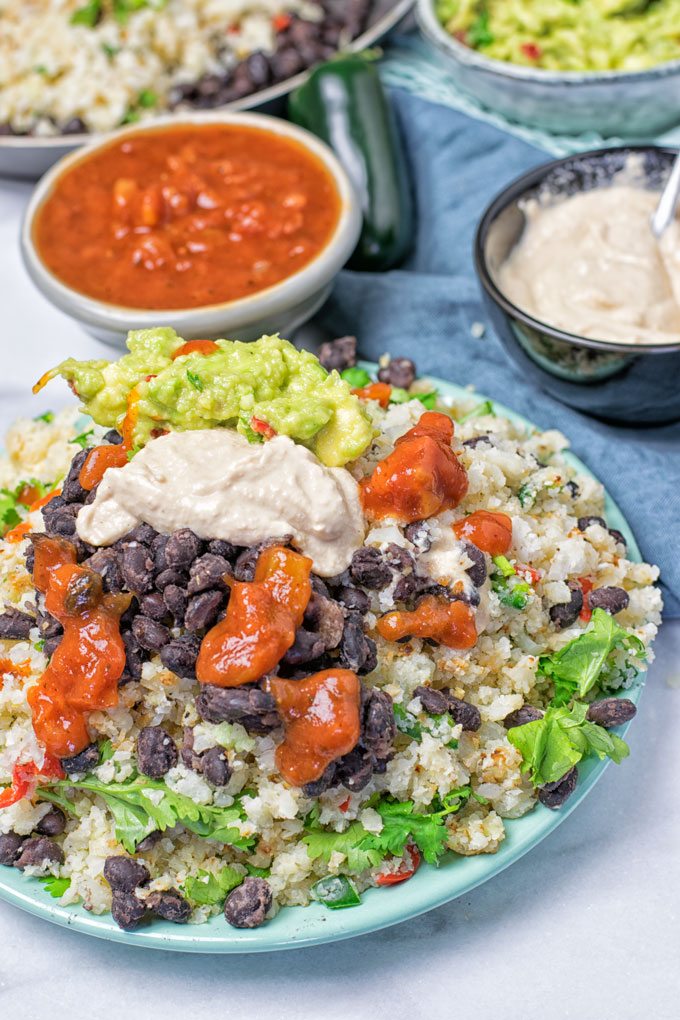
586 926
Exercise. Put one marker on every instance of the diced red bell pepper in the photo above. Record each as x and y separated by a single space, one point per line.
406 870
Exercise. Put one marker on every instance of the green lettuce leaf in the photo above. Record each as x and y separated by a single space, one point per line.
577 667
551 746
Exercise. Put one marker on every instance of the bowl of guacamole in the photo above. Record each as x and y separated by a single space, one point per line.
565 66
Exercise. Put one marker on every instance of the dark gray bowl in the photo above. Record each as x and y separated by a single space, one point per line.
640 384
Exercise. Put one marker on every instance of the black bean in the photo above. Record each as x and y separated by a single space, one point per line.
285 63
182 548
167 577
81 763
215 766
353 598
10 847
154 605
573 489
59 517
585 522
327 619
477 572
369 569
38 852
354 770
150 634
378 726
521 716
113 437
175 601
15 625
156 752
74 126
476 440
148 842
418 534
554 795
52 823
618 537
107 563
71 490
357 651
143 533
134 656
180 655
84 592
565 613
50 646
225 549
247 905
244 567
609 712
125 874
338 354
170 905
137 568
323 783
399 372
158 549
202 610
612 599
258 69
433 701
127 910
208 571
306 647
250 706
464 713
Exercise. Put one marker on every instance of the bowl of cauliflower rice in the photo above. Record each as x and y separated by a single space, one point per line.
294 648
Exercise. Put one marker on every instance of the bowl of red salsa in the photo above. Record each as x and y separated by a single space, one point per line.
231 223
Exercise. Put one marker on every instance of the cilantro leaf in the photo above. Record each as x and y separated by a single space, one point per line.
88 15
106 751
56 887
195 380
82 439
486 407
139 805
577 667
551 746
208 887
479 33
47 417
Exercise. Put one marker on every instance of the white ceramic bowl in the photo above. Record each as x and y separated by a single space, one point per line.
280 308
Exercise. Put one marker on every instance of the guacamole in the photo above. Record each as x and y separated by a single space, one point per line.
568 35
253 387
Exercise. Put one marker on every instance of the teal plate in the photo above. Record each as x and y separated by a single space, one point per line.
295 927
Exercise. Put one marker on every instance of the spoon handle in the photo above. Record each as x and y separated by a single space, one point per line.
665 210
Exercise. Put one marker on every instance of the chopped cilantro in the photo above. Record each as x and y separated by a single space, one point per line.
56 887
139 805
208 888
551 746
477 412
510 590
82 439
40 644
147 98
526 495
88 15
479 34
258 872
109 50
195 380
106 751
47 417
578 667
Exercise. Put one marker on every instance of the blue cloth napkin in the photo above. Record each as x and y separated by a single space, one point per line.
426 309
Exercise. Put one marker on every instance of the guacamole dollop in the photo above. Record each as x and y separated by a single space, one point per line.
567 35
236 385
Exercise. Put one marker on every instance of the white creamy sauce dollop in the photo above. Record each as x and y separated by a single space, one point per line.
590 265
221 486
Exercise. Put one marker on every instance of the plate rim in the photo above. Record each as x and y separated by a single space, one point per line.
380 908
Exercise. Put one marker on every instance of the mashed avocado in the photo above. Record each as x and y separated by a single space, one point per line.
568 35
268 380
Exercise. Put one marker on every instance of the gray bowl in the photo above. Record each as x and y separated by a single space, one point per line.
636 104
636 384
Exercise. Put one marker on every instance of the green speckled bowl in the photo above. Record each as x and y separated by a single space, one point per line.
294 927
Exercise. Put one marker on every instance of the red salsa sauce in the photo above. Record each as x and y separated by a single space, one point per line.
187 216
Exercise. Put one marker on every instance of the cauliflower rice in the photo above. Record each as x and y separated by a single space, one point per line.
521 473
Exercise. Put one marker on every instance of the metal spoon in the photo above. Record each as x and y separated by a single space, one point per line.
664 213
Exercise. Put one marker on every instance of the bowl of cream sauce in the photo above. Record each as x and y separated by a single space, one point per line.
582 295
